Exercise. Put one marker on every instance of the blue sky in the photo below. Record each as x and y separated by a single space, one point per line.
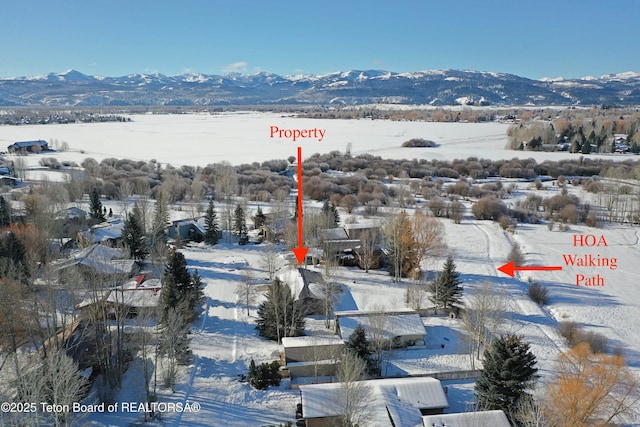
541 38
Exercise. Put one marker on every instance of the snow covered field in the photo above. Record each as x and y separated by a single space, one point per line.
224 339
200 139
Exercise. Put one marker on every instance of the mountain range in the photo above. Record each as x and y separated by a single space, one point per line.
439 87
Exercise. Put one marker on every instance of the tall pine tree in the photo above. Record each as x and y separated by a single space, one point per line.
260 219
358 344
330 214
133 235
177 288
13 258
446 290
5 212
211 226
240 225
509 372
280 315
96 211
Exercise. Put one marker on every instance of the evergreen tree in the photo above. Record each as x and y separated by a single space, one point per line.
211 225
95 207
359 345
331 214
260 219
168 296
133 235
195 295
13 258
280 315
180 289
176 267
446 290
5 212
509 372
240 225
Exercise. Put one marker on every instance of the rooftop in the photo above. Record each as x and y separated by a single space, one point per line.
468 419
400 399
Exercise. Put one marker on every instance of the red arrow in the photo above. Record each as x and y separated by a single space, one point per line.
510 267
300 252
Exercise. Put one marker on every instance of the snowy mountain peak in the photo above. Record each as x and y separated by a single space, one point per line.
352 87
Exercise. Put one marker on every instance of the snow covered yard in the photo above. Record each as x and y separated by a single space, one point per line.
224 340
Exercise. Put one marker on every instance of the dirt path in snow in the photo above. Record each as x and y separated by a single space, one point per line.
537 326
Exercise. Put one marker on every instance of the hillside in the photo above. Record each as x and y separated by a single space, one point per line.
355 87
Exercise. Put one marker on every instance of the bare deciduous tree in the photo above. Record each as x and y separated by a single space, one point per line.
367 253
246 290
416 295
483 314
378 335
353 397
174 345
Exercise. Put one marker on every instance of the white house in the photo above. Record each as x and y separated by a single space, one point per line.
399 402
403 328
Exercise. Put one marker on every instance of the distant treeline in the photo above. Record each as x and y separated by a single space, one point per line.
57 117
607 132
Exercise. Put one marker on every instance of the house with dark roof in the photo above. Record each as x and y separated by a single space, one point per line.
188 230
29 146
8 180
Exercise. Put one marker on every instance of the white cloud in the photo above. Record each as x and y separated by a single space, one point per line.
236 67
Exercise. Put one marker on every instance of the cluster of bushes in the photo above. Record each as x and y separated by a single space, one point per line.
538 293
575 335
271 180
264 375
419 142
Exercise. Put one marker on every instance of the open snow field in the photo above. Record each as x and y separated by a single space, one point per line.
201 139
224 339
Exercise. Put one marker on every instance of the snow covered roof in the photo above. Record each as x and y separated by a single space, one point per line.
25 144
364 225
304 283
468 419
337 233
393 324
140 297
72 212
102 232
310 341
100 258
398 398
